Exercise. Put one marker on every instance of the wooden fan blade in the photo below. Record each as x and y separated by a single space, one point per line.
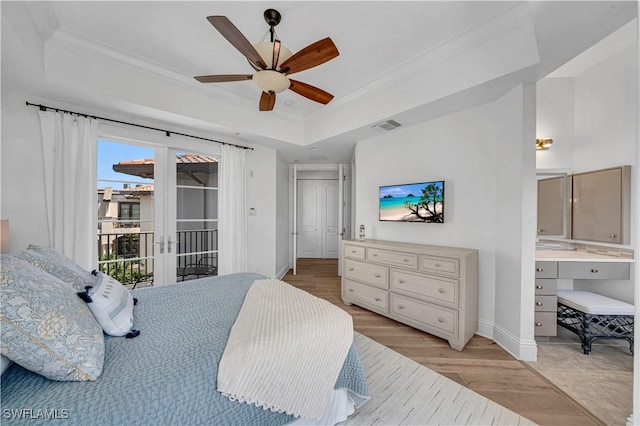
223 78
310 92
237 39
313 55
267 101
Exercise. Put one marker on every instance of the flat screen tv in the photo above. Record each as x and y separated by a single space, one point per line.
413 202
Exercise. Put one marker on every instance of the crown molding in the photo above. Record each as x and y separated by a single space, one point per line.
516 16
65 39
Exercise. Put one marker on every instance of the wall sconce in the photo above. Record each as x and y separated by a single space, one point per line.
542 144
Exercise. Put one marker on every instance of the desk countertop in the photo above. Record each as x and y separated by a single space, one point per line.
577 256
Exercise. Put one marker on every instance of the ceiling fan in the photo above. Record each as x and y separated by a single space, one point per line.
273 62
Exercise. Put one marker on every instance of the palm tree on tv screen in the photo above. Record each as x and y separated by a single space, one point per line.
430 201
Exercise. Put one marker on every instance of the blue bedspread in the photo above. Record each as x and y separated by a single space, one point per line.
165 376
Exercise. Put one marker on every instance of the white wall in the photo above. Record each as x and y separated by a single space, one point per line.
463 150
555 116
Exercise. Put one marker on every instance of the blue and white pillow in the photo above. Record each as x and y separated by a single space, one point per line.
111 304
57 264
46 328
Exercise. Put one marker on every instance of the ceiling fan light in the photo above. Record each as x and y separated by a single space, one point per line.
265 49
271 81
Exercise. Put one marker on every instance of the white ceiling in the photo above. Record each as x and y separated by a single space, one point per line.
390 53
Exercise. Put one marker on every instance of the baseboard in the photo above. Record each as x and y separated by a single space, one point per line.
524 350
485 328
282 271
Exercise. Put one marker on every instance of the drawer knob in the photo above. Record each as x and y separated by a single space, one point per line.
540 230
440 319
441 290
612 236
406 260
377 275
539 287
539 269
377 299
437 265
400 306
538 303
350 269
374 254
351 290
353 251
401 281
538 324
594 270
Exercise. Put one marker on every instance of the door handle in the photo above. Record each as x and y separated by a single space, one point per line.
169 242
161 244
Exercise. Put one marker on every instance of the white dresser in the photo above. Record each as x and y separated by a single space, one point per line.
431 288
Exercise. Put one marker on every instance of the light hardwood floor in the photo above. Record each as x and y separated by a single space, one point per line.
482 366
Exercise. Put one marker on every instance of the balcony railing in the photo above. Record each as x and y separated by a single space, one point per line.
129 257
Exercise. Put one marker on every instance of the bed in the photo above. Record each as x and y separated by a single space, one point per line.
167 374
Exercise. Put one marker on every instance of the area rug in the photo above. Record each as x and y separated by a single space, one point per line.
404 392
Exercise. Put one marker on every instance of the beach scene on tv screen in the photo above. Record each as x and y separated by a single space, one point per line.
416 202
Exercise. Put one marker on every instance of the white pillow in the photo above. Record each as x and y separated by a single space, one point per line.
111 304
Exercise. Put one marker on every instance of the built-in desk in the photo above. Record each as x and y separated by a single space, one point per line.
552 265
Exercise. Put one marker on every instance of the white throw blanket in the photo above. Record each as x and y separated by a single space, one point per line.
285 350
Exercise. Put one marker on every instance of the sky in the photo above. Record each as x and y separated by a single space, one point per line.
398 191
110 153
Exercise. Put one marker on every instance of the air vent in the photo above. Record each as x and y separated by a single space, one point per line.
388 125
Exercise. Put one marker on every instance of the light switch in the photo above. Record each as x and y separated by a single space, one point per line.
252 211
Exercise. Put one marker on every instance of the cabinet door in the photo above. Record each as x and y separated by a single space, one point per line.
600 205
551 202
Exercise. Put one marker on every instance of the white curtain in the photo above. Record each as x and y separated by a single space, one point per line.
232 232
69 154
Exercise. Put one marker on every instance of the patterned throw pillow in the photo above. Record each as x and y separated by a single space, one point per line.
46 327
111 304
58 265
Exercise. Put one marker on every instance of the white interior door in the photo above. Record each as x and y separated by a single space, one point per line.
341 202
330 201
310 218
294 234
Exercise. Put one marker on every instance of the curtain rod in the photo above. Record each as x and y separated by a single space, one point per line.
166 132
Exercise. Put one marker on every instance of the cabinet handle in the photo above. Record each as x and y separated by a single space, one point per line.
374 255
441 290
437 265
353 251
539 269
594 270
377 299
350 269
538 324
612 236
400 306
540 230
377 275
538 303
539 287
406 260
440 319
351 290
401 281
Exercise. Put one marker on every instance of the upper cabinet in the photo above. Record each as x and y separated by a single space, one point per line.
601 205
553 206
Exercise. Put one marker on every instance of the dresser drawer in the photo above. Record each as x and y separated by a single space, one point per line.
594 270
546 303
548 287
365 294
546 269
355 252
396 258
440 265
425 314
545 324
430 288
376 275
